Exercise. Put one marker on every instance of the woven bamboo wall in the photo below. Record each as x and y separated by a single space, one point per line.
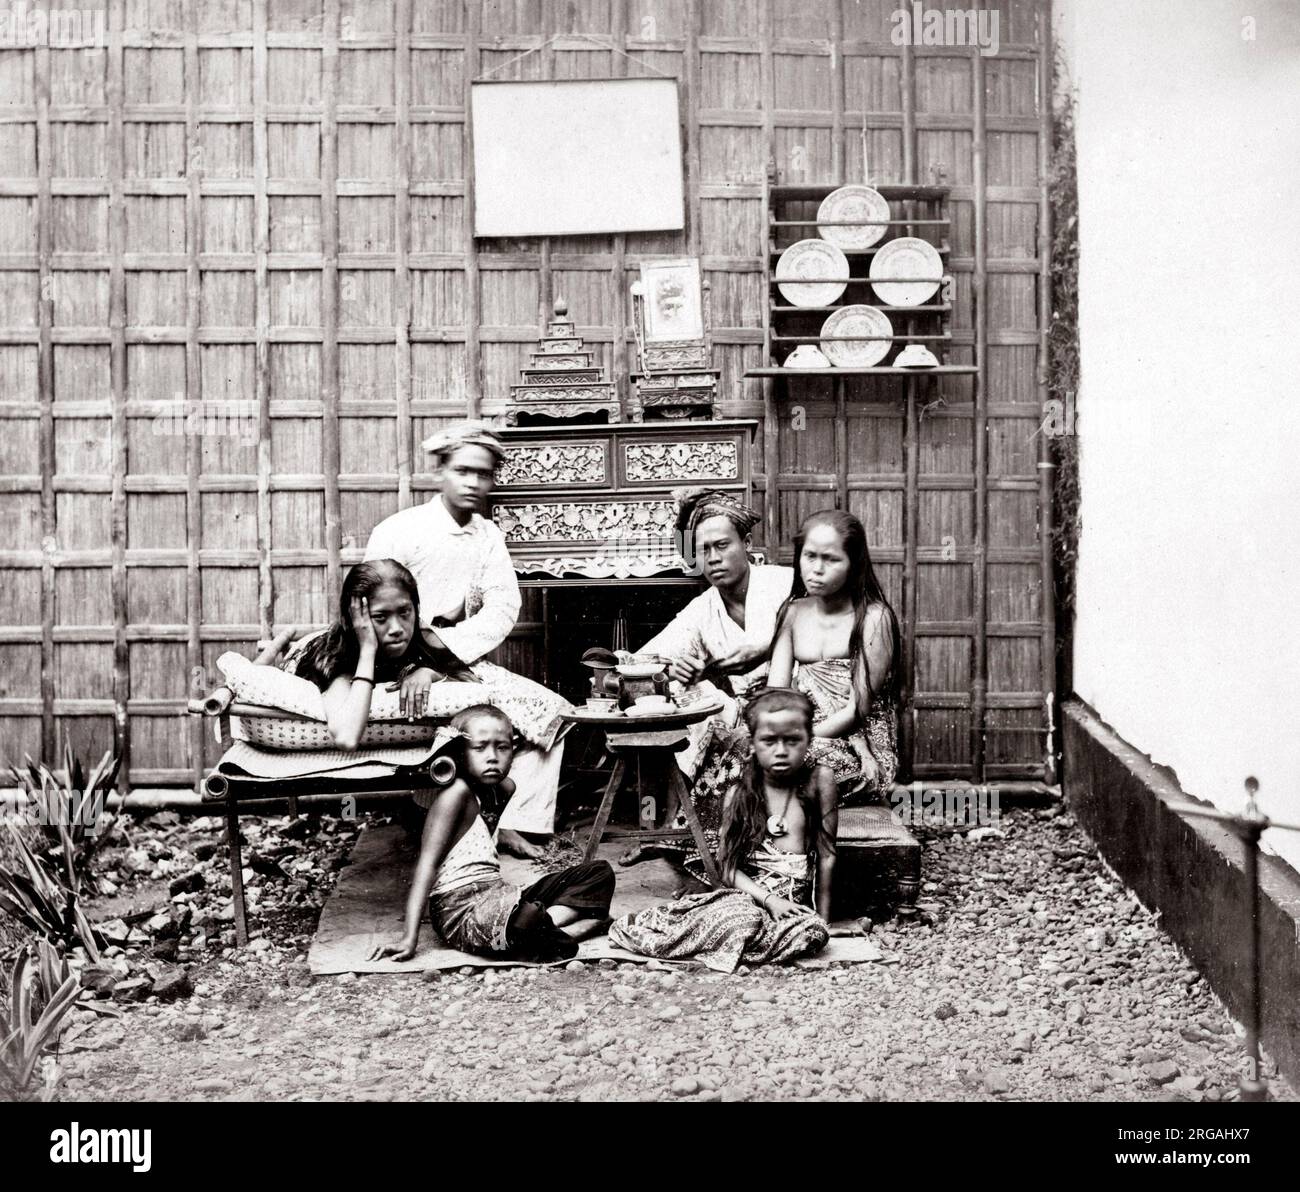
261 206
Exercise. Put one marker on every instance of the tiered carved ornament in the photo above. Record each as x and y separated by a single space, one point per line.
562 381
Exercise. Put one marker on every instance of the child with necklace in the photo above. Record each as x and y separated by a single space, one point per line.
778 836
777 858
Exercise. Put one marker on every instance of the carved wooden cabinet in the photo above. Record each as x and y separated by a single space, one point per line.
595 502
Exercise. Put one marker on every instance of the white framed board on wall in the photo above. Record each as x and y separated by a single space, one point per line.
572 157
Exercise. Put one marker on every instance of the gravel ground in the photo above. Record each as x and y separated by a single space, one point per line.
1028 975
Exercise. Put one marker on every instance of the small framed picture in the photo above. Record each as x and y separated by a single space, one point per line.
672 302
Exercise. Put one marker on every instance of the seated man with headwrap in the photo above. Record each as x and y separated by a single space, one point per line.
721 642
469 601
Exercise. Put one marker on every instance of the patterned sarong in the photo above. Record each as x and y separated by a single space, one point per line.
474 918
725 928
864 762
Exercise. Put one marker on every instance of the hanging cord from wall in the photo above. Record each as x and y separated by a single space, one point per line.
866 177
550 41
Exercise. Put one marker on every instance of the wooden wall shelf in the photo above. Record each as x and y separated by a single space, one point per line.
914 210
879 371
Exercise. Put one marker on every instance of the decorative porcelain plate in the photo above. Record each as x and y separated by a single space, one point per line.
853 202
812 258
856 353
908 256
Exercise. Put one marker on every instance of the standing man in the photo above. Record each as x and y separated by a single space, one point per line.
469 602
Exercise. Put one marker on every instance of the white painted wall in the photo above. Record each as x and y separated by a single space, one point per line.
1189 407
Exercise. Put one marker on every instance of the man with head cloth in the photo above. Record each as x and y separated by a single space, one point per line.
469 600
725 634
720 643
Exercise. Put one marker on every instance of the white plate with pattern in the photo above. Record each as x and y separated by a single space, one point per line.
908 256
812 258
856 353
853 202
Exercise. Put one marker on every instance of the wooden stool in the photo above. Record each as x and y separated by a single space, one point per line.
650 745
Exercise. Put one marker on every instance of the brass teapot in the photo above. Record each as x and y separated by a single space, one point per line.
625 677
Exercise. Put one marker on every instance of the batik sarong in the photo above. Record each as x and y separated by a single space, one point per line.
725 928
865 761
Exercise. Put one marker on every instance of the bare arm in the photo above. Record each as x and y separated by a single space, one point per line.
347 709
446 816
740 881
275 647
828 799
838 724
781 671
347 699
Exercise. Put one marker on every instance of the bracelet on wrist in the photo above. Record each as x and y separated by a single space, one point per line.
363 679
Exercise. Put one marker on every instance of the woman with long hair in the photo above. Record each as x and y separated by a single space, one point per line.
373 639
837 641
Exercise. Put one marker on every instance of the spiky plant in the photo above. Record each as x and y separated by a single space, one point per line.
32 894
71 811
31 1023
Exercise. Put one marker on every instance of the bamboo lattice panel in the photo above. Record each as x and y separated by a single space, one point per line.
258 208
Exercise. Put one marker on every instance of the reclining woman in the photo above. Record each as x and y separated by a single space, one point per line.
373 640
837 641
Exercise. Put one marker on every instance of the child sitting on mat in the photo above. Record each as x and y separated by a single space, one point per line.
777 856
459 875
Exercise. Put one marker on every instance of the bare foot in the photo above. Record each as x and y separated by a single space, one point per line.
518 845
585 929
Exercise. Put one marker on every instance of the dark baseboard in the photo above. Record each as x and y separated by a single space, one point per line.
1190 870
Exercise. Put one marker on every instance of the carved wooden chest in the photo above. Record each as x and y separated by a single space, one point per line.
596 501
671 395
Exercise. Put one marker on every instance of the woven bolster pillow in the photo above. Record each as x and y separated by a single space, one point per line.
271 687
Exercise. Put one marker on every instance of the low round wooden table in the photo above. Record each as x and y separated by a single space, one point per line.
650 743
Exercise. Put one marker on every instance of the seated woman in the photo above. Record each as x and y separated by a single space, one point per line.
459 875
837 642
720 642
777 856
